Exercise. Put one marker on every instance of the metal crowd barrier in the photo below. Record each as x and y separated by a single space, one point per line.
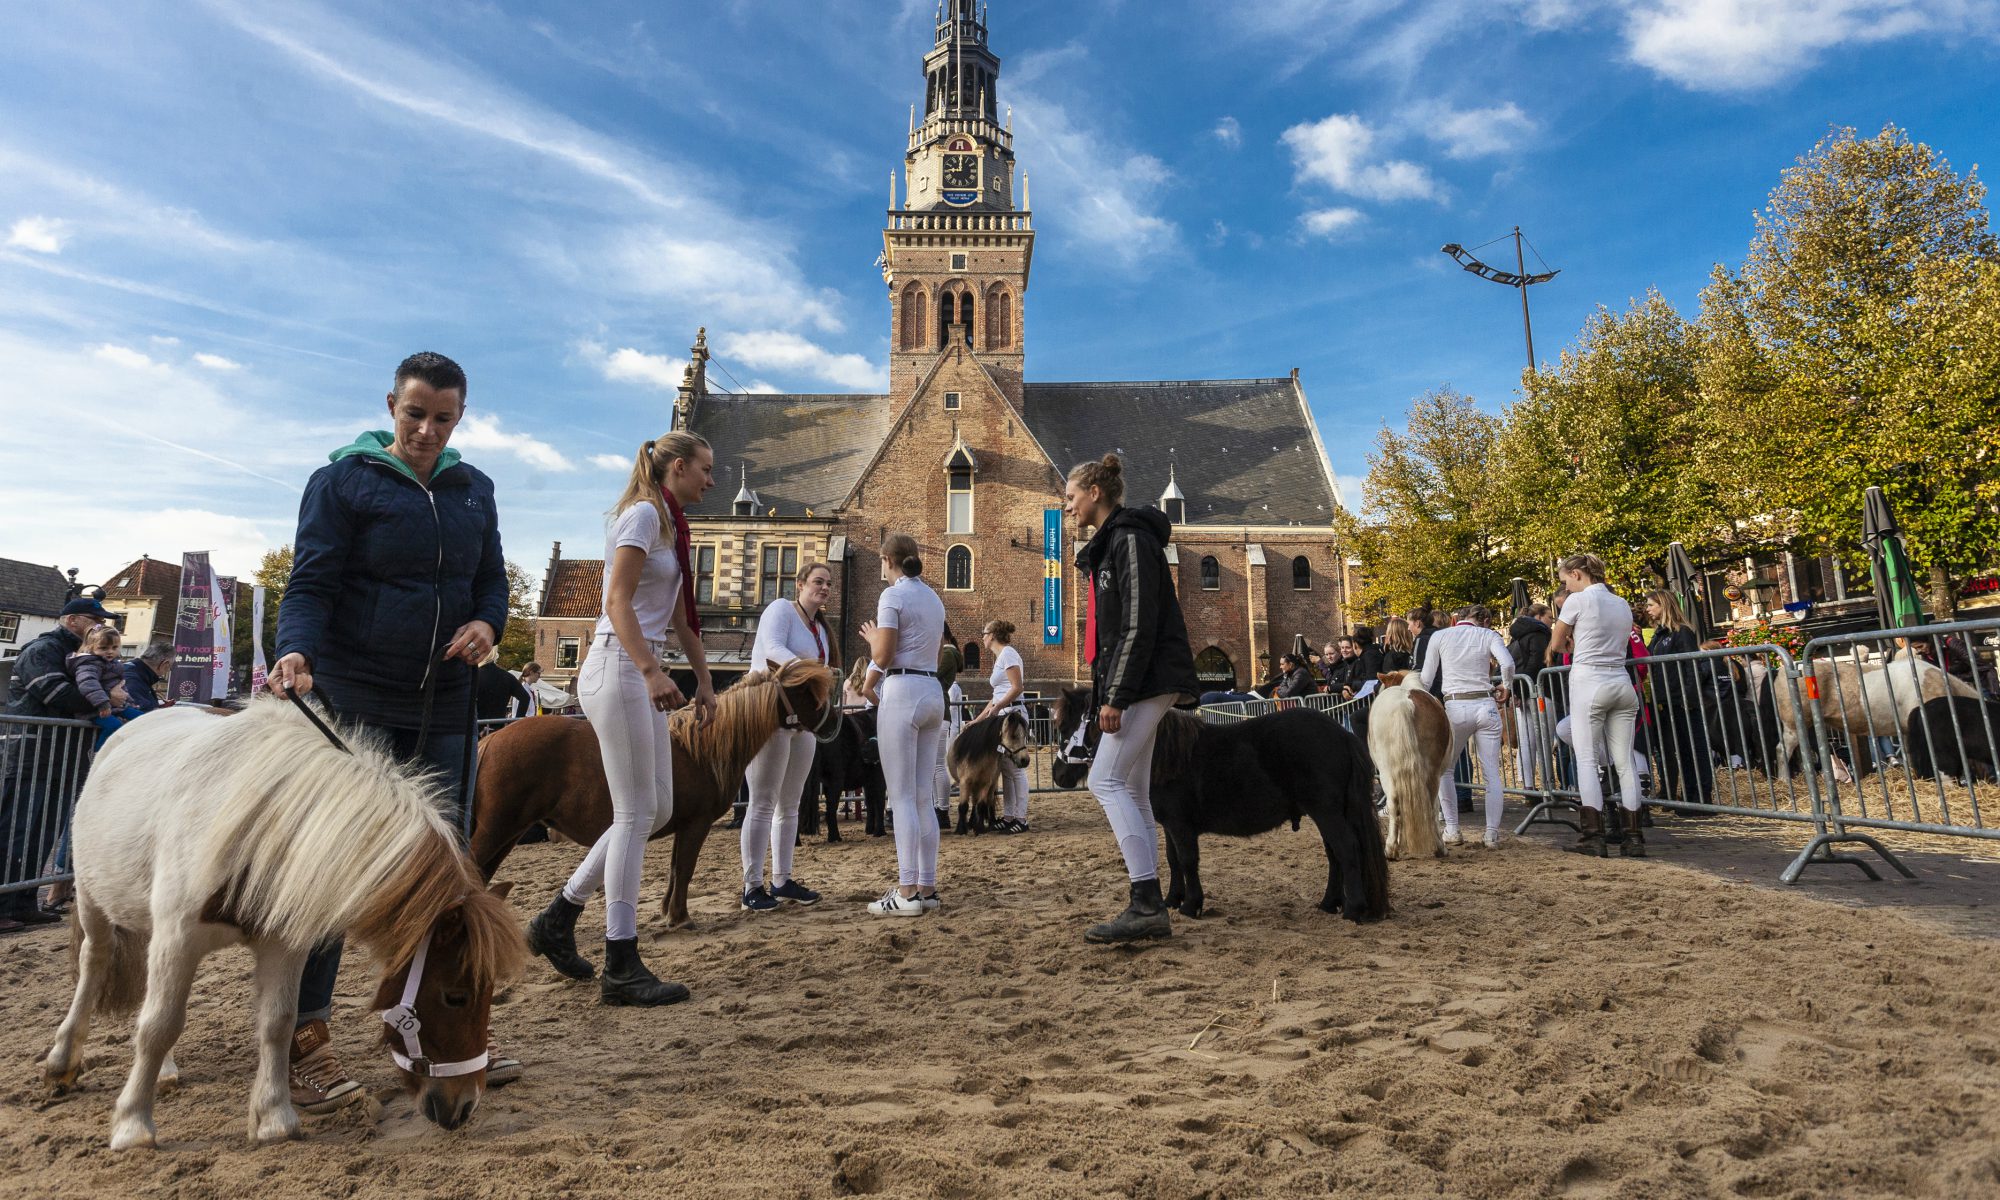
43 762
1907 722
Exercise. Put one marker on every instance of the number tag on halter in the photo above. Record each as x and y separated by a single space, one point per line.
403 1020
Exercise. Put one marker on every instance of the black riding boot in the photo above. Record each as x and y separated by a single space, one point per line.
1590 839
1144 918
552 934
1633 843
626 981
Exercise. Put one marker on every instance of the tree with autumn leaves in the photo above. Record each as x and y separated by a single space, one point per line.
1857 344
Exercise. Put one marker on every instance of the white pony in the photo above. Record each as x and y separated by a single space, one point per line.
1860 700
197 831
1409 737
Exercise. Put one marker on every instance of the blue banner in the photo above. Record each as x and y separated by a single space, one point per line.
1052 620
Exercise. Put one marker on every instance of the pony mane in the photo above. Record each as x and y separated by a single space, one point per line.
745 718
1173 746
305 840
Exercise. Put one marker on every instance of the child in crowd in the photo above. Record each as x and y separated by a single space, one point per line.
95 670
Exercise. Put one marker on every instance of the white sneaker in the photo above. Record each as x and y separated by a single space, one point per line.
1492 840
894 904
1453 837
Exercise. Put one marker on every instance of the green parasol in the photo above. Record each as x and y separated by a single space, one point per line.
1896 598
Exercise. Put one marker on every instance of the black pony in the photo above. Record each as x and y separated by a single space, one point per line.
851 762
1954 737
1247 778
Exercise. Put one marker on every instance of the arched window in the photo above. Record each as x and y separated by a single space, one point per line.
1211 574
966 316
1302 574
1213 668
970 656
999 320
913 317
947 317
958 569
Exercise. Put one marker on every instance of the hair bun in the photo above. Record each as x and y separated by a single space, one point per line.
1112 463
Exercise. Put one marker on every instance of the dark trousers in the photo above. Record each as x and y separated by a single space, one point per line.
444 754
41 771
1683 755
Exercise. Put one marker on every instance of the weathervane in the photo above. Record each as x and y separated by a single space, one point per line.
1518 278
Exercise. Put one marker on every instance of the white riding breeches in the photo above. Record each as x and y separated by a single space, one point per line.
909 727
776 777
1608 708
1121 777
1475 723
639 766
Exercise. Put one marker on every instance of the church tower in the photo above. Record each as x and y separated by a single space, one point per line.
956 251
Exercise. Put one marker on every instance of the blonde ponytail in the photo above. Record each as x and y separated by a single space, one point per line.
648 480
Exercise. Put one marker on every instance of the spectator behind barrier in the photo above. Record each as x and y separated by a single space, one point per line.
145 673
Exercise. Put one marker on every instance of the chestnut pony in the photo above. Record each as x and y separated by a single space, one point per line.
549 769
197 831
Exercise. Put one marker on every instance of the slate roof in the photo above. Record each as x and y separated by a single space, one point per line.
802 451
32 589
152 578
1244 450
575 588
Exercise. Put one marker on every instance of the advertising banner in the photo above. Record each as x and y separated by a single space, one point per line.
1052 577
257 667
192 680
224 590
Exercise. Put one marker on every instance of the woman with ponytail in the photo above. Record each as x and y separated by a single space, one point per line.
626 692
903 641
1141 666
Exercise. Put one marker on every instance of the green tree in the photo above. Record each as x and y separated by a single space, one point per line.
1429 535
1858 344
517 641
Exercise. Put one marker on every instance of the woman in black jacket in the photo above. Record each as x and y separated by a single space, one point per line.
1141 666
398 588
1682 694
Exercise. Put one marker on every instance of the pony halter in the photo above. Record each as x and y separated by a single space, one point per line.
1077 751
403 1019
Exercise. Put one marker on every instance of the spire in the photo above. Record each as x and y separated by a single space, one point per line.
746 500
1173 501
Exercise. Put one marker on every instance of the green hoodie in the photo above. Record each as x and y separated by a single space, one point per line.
375 444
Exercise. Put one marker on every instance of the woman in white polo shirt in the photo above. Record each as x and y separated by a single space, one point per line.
903 641
1008 685
1594 628
788 629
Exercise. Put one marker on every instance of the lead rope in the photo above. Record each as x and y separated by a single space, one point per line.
299 703
403 1019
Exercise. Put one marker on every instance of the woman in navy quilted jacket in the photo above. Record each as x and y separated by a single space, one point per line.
398 589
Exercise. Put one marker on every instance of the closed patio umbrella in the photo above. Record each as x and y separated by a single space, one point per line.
1896 599
1520 597
1681 581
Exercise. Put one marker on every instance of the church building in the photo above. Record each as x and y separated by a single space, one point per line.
968 455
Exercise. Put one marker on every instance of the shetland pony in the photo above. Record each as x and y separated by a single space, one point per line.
974 762
549 769
1860 701
851 762
1409 737
1249 777
197 831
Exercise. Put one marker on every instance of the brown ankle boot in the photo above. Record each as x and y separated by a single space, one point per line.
319 1083
1633 842
1591 839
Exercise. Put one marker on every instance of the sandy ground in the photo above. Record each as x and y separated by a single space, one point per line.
1527 1023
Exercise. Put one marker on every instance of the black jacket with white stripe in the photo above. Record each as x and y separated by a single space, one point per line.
1142 640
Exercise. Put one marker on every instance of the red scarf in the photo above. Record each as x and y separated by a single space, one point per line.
1090 622
684 551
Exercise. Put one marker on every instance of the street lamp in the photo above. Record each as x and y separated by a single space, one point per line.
1519 279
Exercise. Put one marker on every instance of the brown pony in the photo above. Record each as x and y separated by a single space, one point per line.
549 769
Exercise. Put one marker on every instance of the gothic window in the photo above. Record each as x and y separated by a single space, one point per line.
970 654
954 308
965 315
1211 574
913 318
999 316
958 569
1302 574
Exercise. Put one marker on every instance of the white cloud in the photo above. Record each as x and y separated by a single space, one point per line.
43 235
215 362
775 350
626 365
1730 45
1476 132
1339 151
1329 222
611 462
125 356
157 340
478 431
1228 131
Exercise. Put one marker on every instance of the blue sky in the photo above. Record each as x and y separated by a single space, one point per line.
223 222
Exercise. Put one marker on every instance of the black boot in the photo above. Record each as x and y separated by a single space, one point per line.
1143 919
552 934
1590 839
1633 843
626 981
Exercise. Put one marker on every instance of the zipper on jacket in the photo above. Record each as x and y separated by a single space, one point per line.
437 588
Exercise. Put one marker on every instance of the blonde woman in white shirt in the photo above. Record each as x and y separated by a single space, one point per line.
903 642
788 629
1008 686
626 692
1594 630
